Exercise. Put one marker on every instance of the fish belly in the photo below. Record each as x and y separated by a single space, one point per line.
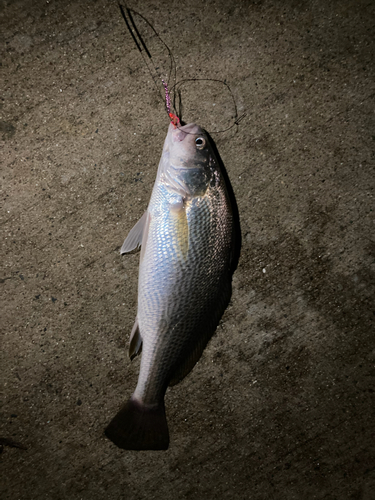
184 288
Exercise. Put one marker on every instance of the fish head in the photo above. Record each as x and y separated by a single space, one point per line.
188 145
187 169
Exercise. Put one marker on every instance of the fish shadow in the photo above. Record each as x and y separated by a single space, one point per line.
237 240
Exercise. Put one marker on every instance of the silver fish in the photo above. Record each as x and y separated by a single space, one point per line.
190 248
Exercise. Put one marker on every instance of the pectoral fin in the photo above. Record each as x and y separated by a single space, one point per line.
135 343
136 234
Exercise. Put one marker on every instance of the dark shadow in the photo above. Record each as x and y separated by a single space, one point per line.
236 250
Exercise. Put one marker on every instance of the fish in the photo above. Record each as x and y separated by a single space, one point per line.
189 243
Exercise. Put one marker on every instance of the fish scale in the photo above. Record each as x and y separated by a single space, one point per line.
188 237
182 281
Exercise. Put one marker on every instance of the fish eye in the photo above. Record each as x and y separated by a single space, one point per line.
200 142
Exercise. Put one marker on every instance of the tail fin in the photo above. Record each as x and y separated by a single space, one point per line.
138 427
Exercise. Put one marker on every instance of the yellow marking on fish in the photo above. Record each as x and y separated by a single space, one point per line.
181 227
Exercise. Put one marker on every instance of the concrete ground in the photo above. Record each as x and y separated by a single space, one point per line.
281 404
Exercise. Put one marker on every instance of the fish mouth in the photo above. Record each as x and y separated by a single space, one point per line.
180 133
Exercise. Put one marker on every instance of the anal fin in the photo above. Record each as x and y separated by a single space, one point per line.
135 342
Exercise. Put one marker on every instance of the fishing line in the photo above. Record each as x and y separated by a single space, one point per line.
237 118
141 43
141 46
174 118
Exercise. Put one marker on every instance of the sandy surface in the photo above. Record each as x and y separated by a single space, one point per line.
281 404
